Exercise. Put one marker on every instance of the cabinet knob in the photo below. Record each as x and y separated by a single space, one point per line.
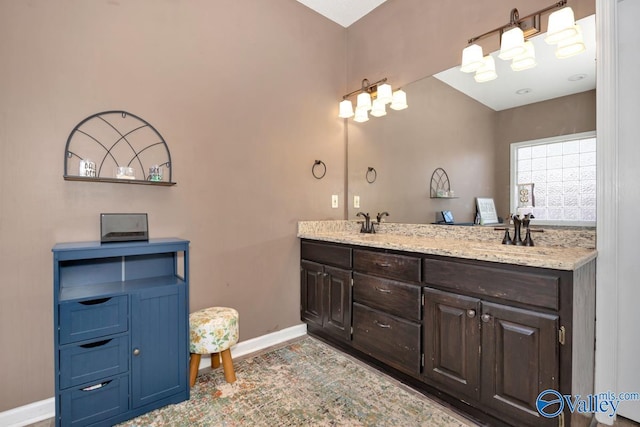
485 318
136 351
471 314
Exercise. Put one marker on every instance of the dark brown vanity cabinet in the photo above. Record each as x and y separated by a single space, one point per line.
387 309
488 337
483 345
325 288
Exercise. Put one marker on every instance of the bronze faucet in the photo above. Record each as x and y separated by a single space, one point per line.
367 225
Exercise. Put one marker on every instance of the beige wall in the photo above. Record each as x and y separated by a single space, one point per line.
244 93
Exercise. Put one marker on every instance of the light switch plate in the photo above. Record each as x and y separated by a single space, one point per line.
356 202
334 201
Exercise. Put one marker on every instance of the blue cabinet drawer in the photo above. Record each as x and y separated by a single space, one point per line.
97 402
83 363
94 318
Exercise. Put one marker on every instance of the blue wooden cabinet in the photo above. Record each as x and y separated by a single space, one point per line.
121 329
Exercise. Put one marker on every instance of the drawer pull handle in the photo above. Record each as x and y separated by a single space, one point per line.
383 264
136 352
96 386
95 301
382 325
485 318
471 314
96 344
384 291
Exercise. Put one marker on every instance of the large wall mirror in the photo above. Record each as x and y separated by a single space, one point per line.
466 128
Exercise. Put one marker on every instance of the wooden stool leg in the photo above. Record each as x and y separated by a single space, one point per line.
194 364
227 365
215 360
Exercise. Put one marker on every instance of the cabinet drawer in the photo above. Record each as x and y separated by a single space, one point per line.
394 266
92 361
339 256
97 402
399 299
389 339
541 290
88 319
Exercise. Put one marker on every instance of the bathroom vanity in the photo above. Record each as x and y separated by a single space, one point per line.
482 326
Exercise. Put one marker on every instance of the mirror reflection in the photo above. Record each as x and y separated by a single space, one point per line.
466 128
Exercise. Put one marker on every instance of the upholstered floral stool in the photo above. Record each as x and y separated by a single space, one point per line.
213 331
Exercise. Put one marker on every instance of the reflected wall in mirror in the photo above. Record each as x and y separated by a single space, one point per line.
446 128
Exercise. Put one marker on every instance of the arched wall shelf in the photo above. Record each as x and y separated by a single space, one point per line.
440 185
117 139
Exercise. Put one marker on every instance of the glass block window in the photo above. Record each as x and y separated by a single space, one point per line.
555 179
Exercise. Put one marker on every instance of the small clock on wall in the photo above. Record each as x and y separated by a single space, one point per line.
117 146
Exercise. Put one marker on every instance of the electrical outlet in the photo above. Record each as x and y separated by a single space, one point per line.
334 201
356 202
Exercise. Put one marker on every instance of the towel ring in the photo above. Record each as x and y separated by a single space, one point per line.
371 175
315 173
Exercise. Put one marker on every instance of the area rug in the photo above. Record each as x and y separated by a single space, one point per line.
304 383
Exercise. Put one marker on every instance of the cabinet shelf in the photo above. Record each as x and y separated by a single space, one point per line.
108 289
444 197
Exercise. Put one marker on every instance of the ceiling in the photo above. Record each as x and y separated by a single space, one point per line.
551 78
343 12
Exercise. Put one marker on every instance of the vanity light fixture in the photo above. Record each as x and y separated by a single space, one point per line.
372 98
514 46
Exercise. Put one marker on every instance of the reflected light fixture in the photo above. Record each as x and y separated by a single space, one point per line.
525 60
372 99
488 70
514 44
572 45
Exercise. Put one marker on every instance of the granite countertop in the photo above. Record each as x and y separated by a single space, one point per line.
466 245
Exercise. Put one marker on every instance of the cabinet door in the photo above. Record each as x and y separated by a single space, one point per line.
337 309
452 341
311 287
519 360
158 344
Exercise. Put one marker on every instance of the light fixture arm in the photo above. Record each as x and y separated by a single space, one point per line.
516 20
366 87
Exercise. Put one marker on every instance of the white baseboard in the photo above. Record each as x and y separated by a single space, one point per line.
29 414
44 409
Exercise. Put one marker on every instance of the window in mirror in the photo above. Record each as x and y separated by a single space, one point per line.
561 172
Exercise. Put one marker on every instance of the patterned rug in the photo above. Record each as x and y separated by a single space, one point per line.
305 383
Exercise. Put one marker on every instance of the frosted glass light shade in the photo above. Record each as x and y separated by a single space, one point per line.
346 109
472 58
571 46
488 70
526 60
364 101
384 93
378 110
361 115
561 26
399 100
512 44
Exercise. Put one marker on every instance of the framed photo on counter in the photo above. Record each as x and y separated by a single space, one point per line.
487 210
